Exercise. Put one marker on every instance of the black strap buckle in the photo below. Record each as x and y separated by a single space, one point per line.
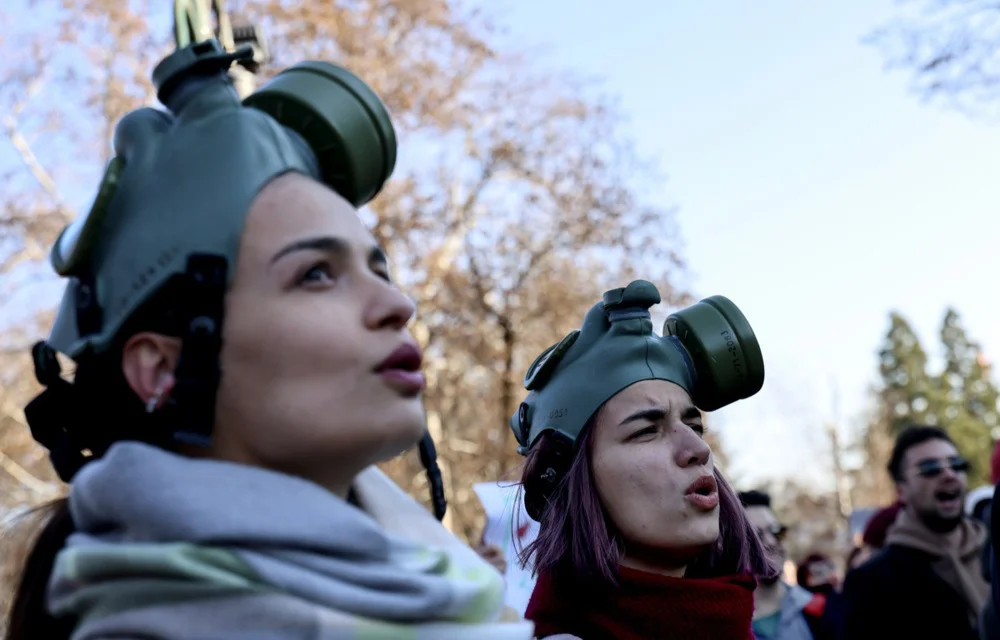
198 369
49 414
89 315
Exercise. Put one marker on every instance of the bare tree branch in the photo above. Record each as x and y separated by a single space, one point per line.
951 48
19 473
9 465
20 143
519 215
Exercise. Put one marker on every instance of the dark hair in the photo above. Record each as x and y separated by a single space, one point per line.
755 498
29 617
109 407
577 540
908 438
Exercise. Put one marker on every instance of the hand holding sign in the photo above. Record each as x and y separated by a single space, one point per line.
494 555
505 519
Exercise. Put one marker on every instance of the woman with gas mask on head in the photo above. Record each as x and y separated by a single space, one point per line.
640 535
242 362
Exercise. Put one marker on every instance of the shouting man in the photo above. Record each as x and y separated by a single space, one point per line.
926 582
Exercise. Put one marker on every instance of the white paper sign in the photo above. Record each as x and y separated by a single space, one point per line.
503 524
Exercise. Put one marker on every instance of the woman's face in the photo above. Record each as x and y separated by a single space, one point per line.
310 319
654 472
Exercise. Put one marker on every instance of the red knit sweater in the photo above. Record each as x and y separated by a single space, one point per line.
645 606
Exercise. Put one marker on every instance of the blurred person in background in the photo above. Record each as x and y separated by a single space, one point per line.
782 611
978 503
640 535
817 574
995 463
990 621
978 506
926 582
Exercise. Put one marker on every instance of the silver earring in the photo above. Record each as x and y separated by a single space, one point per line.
153 401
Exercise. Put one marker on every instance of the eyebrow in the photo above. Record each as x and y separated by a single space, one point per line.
329 244
659 413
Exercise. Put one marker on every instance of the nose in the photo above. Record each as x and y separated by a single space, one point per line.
692 450
948 473
389 308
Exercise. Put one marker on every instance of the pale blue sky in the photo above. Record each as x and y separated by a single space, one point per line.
814 190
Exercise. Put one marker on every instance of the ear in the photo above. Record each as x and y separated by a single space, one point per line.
148 362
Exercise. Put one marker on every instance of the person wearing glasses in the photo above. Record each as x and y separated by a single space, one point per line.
818 574
781 611
926 582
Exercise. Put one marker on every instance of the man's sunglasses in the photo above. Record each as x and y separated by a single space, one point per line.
934 468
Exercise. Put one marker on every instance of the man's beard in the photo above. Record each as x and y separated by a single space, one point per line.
938 523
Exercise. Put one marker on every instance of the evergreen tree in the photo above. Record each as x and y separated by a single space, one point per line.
907 393
969 397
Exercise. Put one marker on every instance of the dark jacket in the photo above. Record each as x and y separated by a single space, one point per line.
830 626
989 622
987 518
989 626
896 594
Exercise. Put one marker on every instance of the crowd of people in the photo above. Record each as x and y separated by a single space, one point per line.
243 363
923 568
925 559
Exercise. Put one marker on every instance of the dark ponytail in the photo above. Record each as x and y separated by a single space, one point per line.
77 422
29 618
103 405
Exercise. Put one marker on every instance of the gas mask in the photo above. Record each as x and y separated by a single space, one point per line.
707 349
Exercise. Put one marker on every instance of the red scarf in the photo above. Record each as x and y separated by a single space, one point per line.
645 606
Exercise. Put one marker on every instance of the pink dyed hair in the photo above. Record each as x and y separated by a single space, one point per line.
577 540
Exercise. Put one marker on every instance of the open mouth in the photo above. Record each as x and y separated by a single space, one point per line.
703 493
703 486
949 498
